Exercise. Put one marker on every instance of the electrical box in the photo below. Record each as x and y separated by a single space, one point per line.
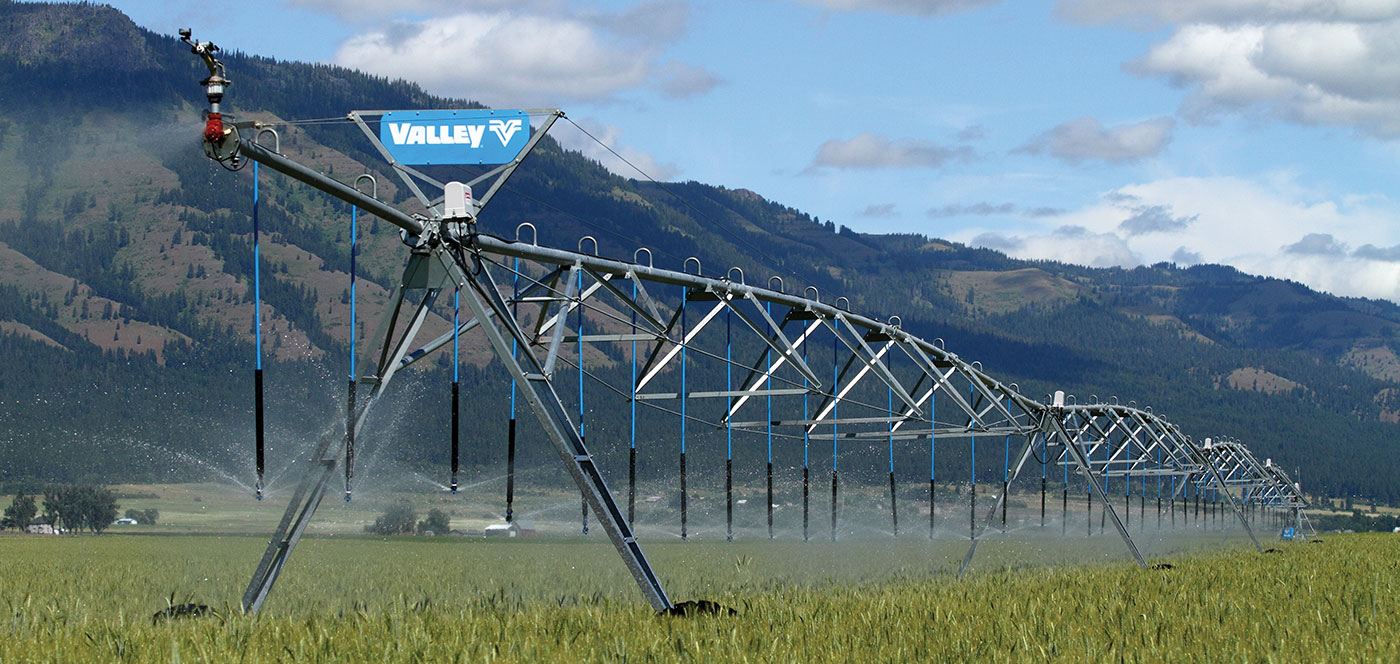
457 201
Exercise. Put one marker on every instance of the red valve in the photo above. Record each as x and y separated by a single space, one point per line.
214 129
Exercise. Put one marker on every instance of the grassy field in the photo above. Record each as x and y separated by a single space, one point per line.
568 599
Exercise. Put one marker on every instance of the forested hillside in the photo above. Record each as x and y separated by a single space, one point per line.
126 306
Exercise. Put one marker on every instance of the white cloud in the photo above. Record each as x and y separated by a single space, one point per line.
354 10
1349 276
1372 252
1154 219
1184 256
1086 138
1268 226
499 58
1149 14
1340 75
522 55
1317 244
659 20
1067 244
1330 63
612 137
916 7
869 150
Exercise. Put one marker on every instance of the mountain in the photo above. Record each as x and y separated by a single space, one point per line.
125 304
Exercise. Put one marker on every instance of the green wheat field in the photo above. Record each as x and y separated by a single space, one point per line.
363 599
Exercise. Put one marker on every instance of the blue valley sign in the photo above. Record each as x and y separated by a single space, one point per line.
454 137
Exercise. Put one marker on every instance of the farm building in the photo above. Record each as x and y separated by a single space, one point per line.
40 526
513 529
502 530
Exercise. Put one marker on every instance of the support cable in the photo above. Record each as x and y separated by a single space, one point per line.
714 223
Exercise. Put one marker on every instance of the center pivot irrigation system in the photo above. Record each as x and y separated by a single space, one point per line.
680 331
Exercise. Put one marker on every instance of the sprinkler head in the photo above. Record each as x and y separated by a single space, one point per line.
259 489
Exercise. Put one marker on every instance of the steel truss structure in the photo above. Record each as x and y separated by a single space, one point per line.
795 369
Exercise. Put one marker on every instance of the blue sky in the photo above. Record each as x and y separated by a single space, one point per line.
1256 133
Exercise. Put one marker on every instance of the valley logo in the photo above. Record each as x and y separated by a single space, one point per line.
454 137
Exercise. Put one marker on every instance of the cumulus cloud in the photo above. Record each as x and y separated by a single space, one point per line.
1317 244
520 54
1068 244
662 20
1007 244
915 7
1086 138
1334 63
1372 252
1338 275
869 150
611 136
1184 256
511 58
985 209
1154 219
361 9
1152 14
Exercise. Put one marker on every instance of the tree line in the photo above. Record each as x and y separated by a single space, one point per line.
70 508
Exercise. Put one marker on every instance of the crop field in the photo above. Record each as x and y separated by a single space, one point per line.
91 598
